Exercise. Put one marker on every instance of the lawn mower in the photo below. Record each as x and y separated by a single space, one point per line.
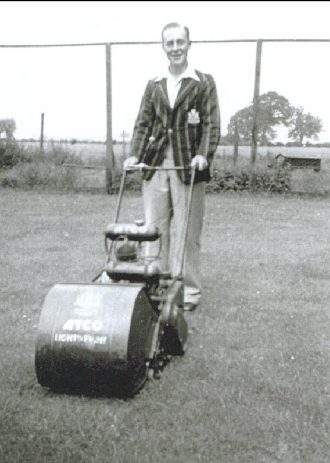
114 333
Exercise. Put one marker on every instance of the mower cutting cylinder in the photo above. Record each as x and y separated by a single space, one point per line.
95 337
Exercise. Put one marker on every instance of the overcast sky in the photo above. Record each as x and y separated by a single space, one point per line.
68 84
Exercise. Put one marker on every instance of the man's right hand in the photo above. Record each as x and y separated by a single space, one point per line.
129 162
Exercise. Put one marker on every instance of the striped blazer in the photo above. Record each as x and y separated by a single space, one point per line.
193 123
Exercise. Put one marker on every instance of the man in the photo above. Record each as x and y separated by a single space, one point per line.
178 125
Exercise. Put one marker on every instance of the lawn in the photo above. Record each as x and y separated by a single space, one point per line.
253 386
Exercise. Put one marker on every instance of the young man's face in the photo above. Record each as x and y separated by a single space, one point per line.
176 46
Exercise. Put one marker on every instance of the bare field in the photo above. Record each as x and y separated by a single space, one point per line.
253 386
98 150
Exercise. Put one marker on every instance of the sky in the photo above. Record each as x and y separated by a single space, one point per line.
68 84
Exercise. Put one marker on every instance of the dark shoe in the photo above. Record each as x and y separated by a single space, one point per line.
189 307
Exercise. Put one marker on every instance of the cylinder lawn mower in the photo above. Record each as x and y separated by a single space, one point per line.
109 336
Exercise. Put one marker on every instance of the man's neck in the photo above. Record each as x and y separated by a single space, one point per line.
176 71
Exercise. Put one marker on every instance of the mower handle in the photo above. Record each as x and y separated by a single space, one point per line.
141 167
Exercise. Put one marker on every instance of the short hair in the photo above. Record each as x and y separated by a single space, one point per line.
172 25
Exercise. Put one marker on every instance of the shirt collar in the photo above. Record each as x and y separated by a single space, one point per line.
188 73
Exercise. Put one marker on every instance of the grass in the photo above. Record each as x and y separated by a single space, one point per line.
254 383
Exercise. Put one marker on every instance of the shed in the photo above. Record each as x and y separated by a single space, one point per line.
300 160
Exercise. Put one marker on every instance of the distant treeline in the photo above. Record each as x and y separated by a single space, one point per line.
71 141
66 141
227 142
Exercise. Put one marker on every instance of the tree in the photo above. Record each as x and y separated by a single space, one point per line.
9 150
274 109
304 125
7 127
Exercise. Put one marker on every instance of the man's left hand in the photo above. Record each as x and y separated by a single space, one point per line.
199 161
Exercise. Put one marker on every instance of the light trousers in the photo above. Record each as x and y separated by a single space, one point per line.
165 199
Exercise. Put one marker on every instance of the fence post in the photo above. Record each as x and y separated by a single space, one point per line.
110 159
252 180
42 133
236 140
124 136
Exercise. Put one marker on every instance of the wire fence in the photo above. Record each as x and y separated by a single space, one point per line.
111 48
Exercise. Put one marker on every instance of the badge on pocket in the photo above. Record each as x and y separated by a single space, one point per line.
193 117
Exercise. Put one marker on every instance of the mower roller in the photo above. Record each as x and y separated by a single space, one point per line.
113 334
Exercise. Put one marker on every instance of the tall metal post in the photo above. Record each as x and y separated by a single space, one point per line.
252 180
110 158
